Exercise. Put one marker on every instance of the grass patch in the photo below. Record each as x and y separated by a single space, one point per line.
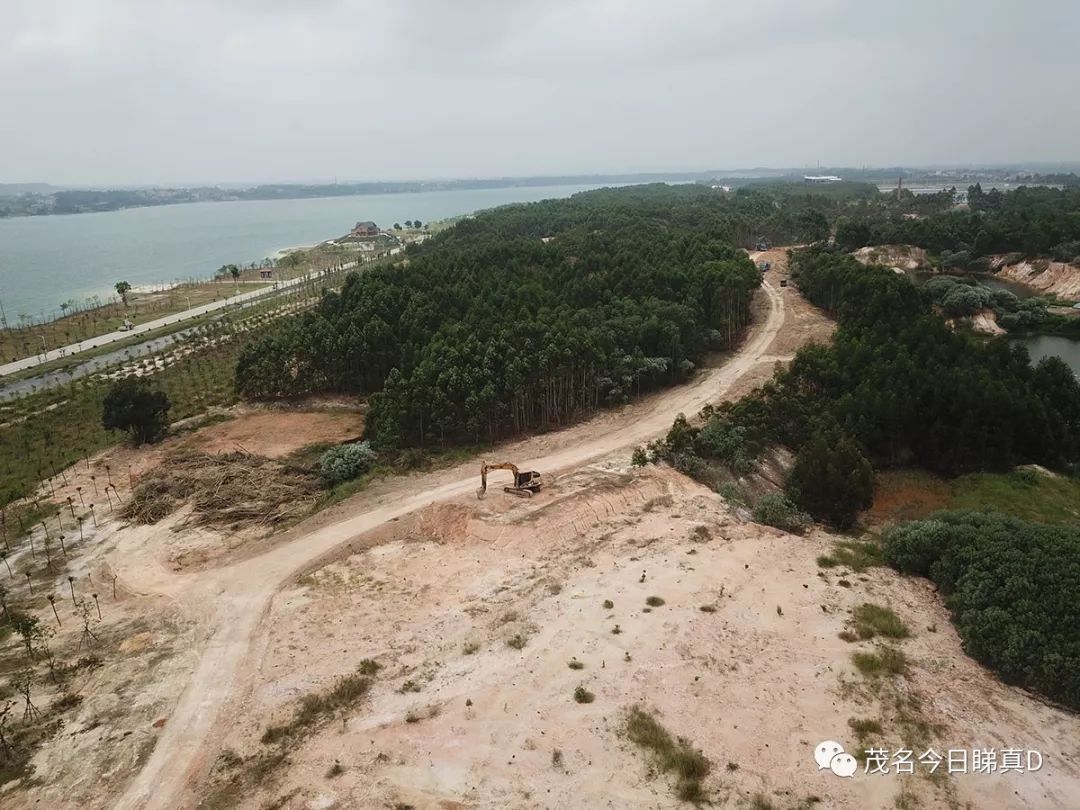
1025 493
672 754
858 555
1022 493
346 692
517 641
608 604
885 661
654 601
575 664
871 621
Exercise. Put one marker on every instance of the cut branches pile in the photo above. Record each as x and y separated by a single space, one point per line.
235 490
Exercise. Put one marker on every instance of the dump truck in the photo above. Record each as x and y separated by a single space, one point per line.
525 485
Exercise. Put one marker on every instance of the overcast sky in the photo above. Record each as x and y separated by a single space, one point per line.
118 91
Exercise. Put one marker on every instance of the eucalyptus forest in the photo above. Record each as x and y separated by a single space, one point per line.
531 316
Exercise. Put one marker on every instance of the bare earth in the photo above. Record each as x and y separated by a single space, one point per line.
417 574
1058 278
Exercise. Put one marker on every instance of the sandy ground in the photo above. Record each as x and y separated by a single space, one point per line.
241 593
149 637
276 434
435 596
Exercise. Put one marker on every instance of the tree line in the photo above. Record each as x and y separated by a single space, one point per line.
1032 221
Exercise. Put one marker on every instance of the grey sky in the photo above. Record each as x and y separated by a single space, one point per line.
116 91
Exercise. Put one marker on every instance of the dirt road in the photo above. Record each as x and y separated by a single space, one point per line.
240 594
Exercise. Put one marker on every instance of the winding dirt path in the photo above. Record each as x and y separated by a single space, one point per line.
240 594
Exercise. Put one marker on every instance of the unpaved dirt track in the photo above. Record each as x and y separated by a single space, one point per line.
240 594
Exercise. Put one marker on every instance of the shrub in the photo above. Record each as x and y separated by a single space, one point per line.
583 695
776 509
134 406
1011 587
729 443
346 462
886 661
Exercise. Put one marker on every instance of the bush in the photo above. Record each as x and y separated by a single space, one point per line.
134 406
964 300
1011 586
347 461
720 439
776 509
959 258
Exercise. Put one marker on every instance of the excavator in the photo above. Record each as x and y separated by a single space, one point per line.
525 483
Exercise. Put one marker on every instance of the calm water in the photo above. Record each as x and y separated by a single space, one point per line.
47 260
1040 346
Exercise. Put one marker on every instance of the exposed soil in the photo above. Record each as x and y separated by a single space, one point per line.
1058 278
898 257
458 717
277 433
901 495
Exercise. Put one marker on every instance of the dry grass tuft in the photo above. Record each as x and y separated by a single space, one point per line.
672 754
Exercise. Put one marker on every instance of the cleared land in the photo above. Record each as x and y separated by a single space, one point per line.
413 646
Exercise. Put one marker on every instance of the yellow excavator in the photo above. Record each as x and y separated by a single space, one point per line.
526 484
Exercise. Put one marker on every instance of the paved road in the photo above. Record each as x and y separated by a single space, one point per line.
240 593
150 326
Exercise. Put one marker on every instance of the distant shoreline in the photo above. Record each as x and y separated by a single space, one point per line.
65 202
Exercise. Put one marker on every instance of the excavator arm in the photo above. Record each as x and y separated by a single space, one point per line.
525 483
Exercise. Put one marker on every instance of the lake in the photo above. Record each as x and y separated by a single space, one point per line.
47 260
1040 346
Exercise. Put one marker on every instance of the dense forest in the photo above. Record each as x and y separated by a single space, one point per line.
530 316
1034 221
1011 586
896 387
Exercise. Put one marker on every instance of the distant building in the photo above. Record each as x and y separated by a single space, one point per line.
266 273
365 229
821 178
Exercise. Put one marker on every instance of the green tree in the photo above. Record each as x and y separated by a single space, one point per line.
122 289
132 405
831 479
